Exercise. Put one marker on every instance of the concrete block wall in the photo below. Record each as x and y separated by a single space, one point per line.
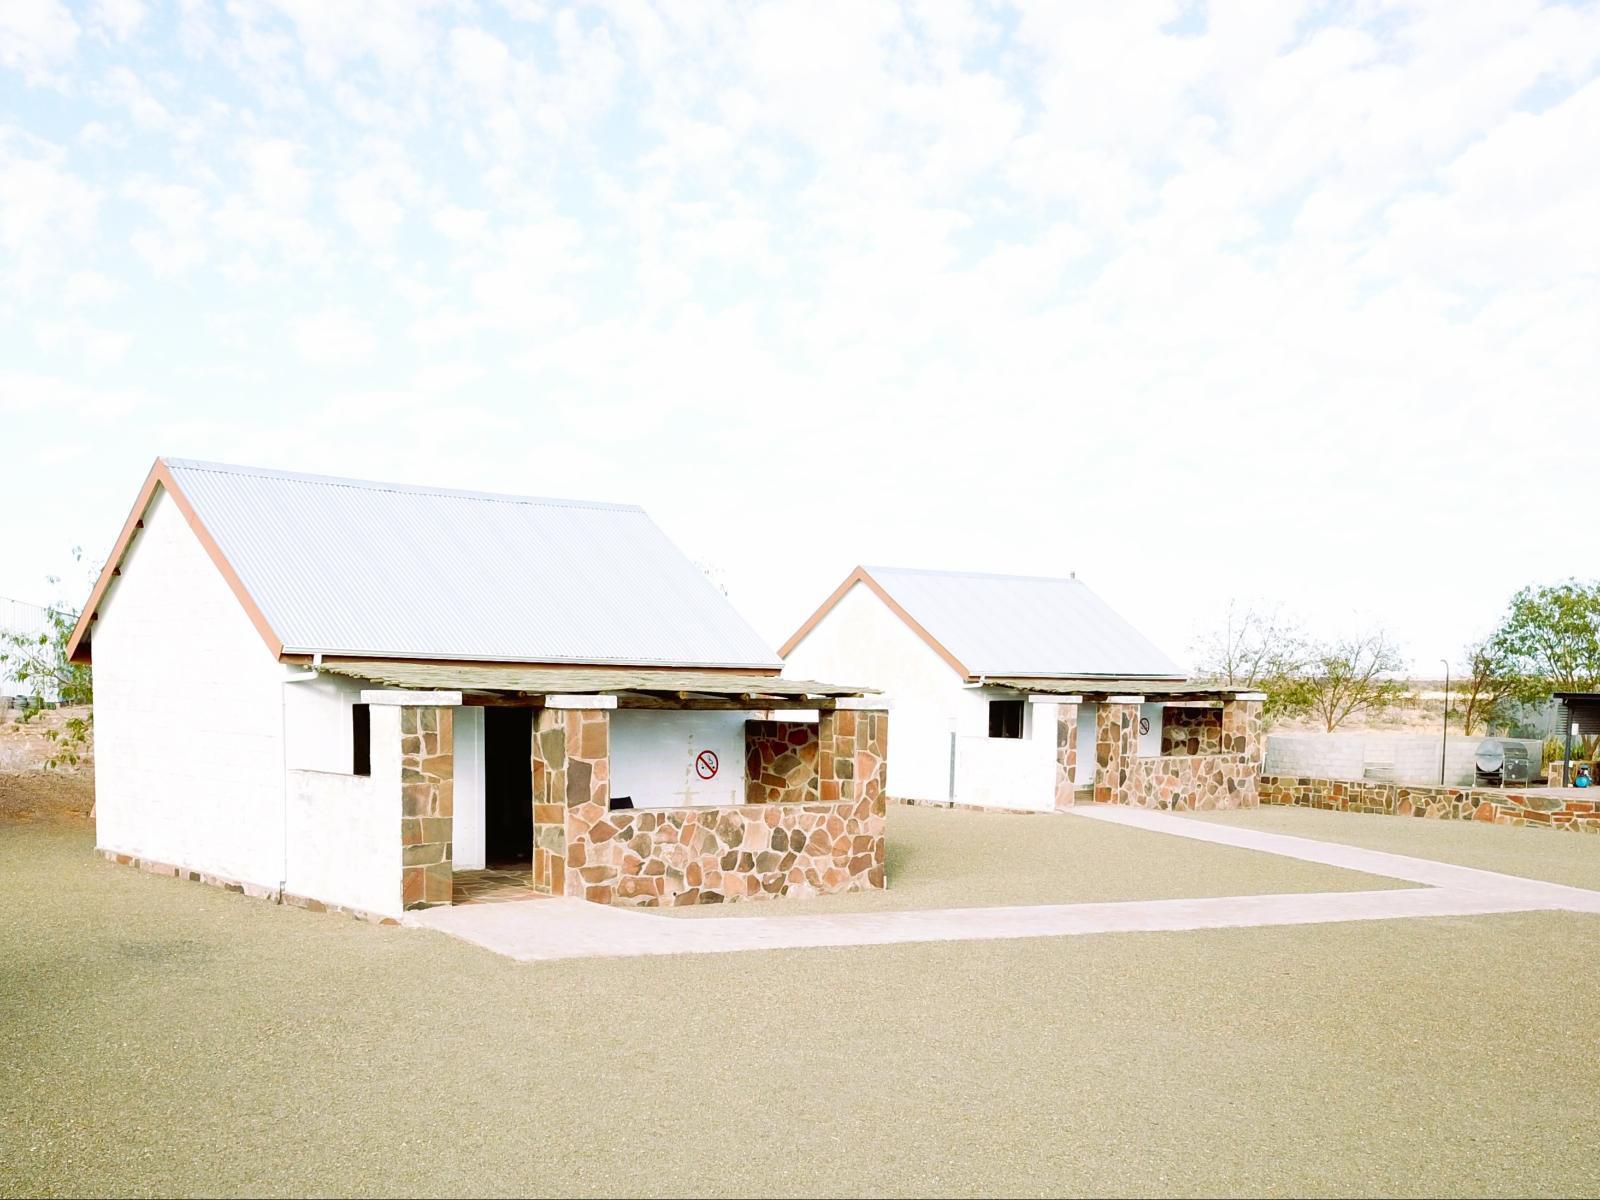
1402 758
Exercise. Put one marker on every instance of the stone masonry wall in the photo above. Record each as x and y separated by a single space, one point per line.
1244 730
1491 805
1190 731
682 856
1116 742
852 754
781 762
1066 754
427 804
1194 783
571 790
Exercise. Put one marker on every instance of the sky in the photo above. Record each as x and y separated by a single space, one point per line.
1284 303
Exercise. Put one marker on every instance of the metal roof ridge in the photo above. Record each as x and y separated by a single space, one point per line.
374 485
976 574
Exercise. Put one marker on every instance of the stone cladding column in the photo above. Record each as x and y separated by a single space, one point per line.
852 754
1066 754
1116 742
571 793
427 804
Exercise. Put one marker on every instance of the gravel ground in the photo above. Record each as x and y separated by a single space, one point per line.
166 1038
950 858
1556 856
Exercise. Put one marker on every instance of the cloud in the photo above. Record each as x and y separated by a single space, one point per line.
45 211
120 19
36 38
335 338
1152 290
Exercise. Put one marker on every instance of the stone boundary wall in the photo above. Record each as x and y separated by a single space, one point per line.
780 762
1539 810
253 890
682 856
1191 731
1194 783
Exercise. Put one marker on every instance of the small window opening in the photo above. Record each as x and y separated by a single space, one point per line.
361 730
1005 718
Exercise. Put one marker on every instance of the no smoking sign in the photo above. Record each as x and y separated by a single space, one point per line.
705 764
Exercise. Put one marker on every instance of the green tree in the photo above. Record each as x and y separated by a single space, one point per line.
39 661
1492 679
1552 635
1353 675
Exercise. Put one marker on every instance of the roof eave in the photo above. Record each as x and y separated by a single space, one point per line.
79 646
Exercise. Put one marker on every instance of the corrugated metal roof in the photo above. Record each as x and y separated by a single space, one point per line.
544 681
1017 625
345 566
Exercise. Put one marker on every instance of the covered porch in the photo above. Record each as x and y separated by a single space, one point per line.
630 786
1160 744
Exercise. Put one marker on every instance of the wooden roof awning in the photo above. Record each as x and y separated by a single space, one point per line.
634 687
1096 688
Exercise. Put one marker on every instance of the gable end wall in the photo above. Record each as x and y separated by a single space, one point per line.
187 713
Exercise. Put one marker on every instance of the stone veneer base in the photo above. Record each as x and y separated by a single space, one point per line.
254 891
1489 805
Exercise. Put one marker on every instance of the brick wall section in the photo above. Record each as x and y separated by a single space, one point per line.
1195 783
1116 742
852 755
1530 809
681 856
1066 753
781 762
1190 731
427 804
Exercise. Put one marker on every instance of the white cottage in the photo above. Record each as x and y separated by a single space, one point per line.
1027 693
365 695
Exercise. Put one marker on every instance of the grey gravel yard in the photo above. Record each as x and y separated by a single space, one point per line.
165 1038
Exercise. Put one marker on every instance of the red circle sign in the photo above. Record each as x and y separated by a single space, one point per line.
705 764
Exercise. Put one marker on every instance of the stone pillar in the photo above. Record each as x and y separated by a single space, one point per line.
1243 733
852 754
571 790
1116 742
1066 754
427 805
1242 729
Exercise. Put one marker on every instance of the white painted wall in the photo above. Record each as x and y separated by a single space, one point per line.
861 642
188 714
1010 772
467 833
1150 740
653 756
344 830
317 723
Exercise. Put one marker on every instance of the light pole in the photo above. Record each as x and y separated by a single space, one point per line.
1444 739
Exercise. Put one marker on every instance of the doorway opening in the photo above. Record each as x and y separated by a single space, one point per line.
508 787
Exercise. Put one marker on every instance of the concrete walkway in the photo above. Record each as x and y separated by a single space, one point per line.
548 930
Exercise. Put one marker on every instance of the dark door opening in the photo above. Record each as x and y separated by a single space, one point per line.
507 786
